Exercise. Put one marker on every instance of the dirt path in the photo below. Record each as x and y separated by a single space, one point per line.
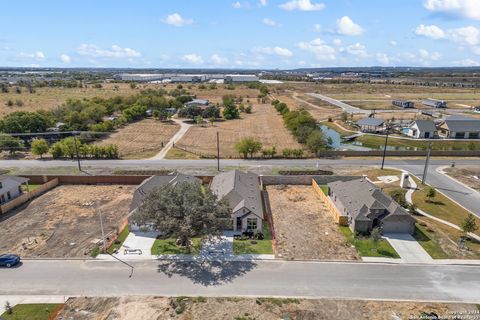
304 228
183 129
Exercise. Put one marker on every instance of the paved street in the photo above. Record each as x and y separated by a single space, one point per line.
260 278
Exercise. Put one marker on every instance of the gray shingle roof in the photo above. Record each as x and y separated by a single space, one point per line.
459 123
157 181
424 125
371 122
241 189
360 195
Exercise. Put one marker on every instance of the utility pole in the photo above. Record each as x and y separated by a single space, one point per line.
385 147
218 152
76 151
425 170
101 227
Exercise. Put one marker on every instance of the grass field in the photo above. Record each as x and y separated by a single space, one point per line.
38 311
263 124
168 246
421 234
259 247
366 248
142 139
377 142
319 109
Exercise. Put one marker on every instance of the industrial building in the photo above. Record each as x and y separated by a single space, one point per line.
403 104
434 103
187 78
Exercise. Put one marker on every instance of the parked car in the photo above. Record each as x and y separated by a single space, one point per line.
9 260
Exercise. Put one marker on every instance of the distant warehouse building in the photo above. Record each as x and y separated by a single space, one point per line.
434 103
403 104
229 78
139 77
194 78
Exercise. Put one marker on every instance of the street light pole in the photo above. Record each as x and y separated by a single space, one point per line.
427 160
76 151
218 152
385 147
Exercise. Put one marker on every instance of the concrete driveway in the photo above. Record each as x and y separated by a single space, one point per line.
138 241
408 248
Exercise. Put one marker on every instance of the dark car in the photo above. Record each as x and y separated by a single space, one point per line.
9 260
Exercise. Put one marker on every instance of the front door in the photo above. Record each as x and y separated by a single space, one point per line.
239 224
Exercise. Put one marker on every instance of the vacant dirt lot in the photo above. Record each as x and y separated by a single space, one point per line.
200 308
319 109
466 174
263 124
304 229
142 139
64 222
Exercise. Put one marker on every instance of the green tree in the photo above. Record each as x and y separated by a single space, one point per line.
199 120
344 116
316 141
375 236
248 146
9 143
431 193
56 150
39 147
183 211
469 224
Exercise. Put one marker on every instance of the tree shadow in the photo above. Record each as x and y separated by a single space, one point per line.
207 272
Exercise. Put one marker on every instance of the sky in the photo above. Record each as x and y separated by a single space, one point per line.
243 34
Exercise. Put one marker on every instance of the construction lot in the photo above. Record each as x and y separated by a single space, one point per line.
65 221
142 139
263 123
469 175
193 308
303 226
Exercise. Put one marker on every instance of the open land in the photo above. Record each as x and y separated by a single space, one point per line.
183 308
141 139
466 175
303 226
263 124
64 222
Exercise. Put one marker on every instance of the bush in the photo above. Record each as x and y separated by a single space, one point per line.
248 146
39 147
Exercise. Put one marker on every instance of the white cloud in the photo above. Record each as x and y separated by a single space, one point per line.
466 63
237 5
431 31
271 23
317 27
464 8
91 50
320 50
193 58
39 55
65 58
278 51
337 42
383 59
426 55
357 49
393 43
263 3
175 19
467 35
218 60
302 5
346 26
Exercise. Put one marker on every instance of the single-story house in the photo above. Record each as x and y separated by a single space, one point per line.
11 187
403 104
152 183
241 189
434 103
202 103
421 129
368 207
459 127
371 124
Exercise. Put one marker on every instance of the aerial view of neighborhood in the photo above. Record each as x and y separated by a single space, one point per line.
240 160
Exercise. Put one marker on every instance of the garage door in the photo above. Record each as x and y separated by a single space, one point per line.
396 227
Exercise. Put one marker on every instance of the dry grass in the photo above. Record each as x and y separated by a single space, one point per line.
199 308
304 228
263 124
465 175
319 109
63 223
142 139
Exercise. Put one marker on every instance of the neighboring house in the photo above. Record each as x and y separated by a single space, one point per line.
367 207
202 103
434 103
371 124
476 109
241 189
421 129
403 104
11 187
151 183
459 127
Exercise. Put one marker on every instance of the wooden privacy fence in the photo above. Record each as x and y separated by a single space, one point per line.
27 196
340 218
269 218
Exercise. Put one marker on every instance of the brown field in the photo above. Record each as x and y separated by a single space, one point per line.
263 124
465 174
141 139
319 109
303 226
64 222
228 308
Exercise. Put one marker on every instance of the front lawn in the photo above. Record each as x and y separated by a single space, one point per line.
430 245
169 246
31 187
120 240
366 248
37 311
258 247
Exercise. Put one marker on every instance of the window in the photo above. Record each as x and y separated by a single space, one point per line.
9 196
2 199
459 135
252 224
427 135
